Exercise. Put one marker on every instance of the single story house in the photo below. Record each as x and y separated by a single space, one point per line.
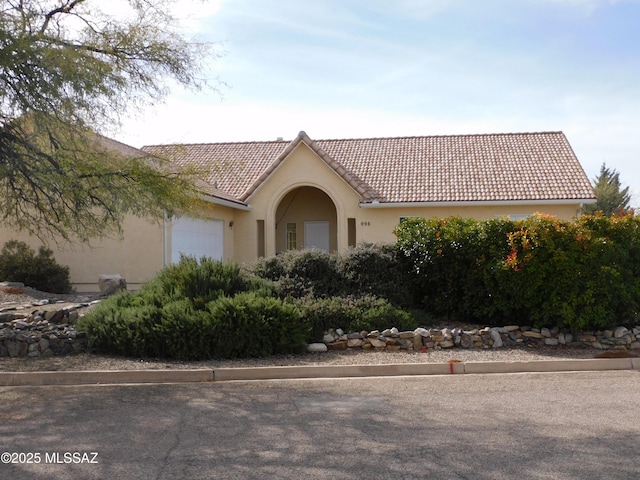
262 198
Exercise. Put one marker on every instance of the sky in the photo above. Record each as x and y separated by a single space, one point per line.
380 68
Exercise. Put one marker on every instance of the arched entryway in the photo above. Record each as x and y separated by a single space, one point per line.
306 218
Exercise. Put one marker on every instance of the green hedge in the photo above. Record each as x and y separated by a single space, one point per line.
541 271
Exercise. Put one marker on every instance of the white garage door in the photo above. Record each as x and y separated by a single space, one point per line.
197 238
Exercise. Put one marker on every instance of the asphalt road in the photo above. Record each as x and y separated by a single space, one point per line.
518 426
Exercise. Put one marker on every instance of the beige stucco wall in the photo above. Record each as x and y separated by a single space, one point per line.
380 222
137 256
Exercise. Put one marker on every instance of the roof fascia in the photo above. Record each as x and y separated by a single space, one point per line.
479 203
226 203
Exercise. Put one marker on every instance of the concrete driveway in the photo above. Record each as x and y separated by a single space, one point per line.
526 426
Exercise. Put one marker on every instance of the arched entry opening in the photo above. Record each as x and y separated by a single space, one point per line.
306 218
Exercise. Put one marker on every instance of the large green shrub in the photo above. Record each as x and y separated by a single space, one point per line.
195 311
363 270
445 256
20 263
299 273
370 269
580 275
541 271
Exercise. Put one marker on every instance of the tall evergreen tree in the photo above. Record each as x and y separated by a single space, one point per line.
611 198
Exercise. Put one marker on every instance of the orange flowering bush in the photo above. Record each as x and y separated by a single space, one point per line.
541 271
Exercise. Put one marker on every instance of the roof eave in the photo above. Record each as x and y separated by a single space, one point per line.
477 203
226 203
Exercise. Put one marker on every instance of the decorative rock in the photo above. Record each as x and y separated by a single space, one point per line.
339 332
339 345
377 343
316 348
466 341
446 344
394 331
620 332
545 332
328 338
354 342
551 341
511 328
497 339
531 334
417 341
587 338
406 335
423 332
110 284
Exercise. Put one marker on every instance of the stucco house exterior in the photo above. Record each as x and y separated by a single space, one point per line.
262 198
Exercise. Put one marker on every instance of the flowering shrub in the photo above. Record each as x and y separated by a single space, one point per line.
541 270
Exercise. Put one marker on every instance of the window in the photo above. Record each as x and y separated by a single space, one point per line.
292 236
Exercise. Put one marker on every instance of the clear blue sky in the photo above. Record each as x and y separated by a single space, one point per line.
370 68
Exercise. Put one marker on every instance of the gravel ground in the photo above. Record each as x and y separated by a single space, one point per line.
105 362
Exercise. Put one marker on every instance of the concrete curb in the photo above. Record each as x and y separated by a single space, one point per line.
84 377
309 371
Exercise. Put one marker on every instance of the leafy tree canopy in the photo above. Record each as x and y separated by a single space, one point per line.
611 198
68 69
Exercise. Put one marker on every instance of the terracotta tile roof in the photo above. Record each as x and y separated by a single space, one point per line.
457 168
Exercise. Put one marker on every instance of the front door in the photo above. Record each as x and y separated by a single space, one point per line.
316 235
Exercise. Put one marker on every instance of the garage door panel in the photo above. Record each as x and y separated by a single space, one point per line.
197 238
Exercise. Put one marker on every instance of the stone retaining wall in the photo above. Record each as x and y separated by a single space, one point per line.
51 332
40 333
618 339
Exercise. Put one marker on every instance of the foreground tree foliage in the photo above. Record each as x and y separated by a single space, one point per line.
69 69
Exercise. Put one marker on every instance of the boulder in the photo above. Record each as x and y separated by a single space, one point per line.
316 347
110 284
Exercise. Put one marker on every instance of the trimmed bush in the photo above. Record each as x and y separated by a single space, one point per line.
20 263
352 314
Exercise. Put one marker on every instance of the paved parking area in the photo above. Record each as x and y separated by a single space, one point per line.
537 426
